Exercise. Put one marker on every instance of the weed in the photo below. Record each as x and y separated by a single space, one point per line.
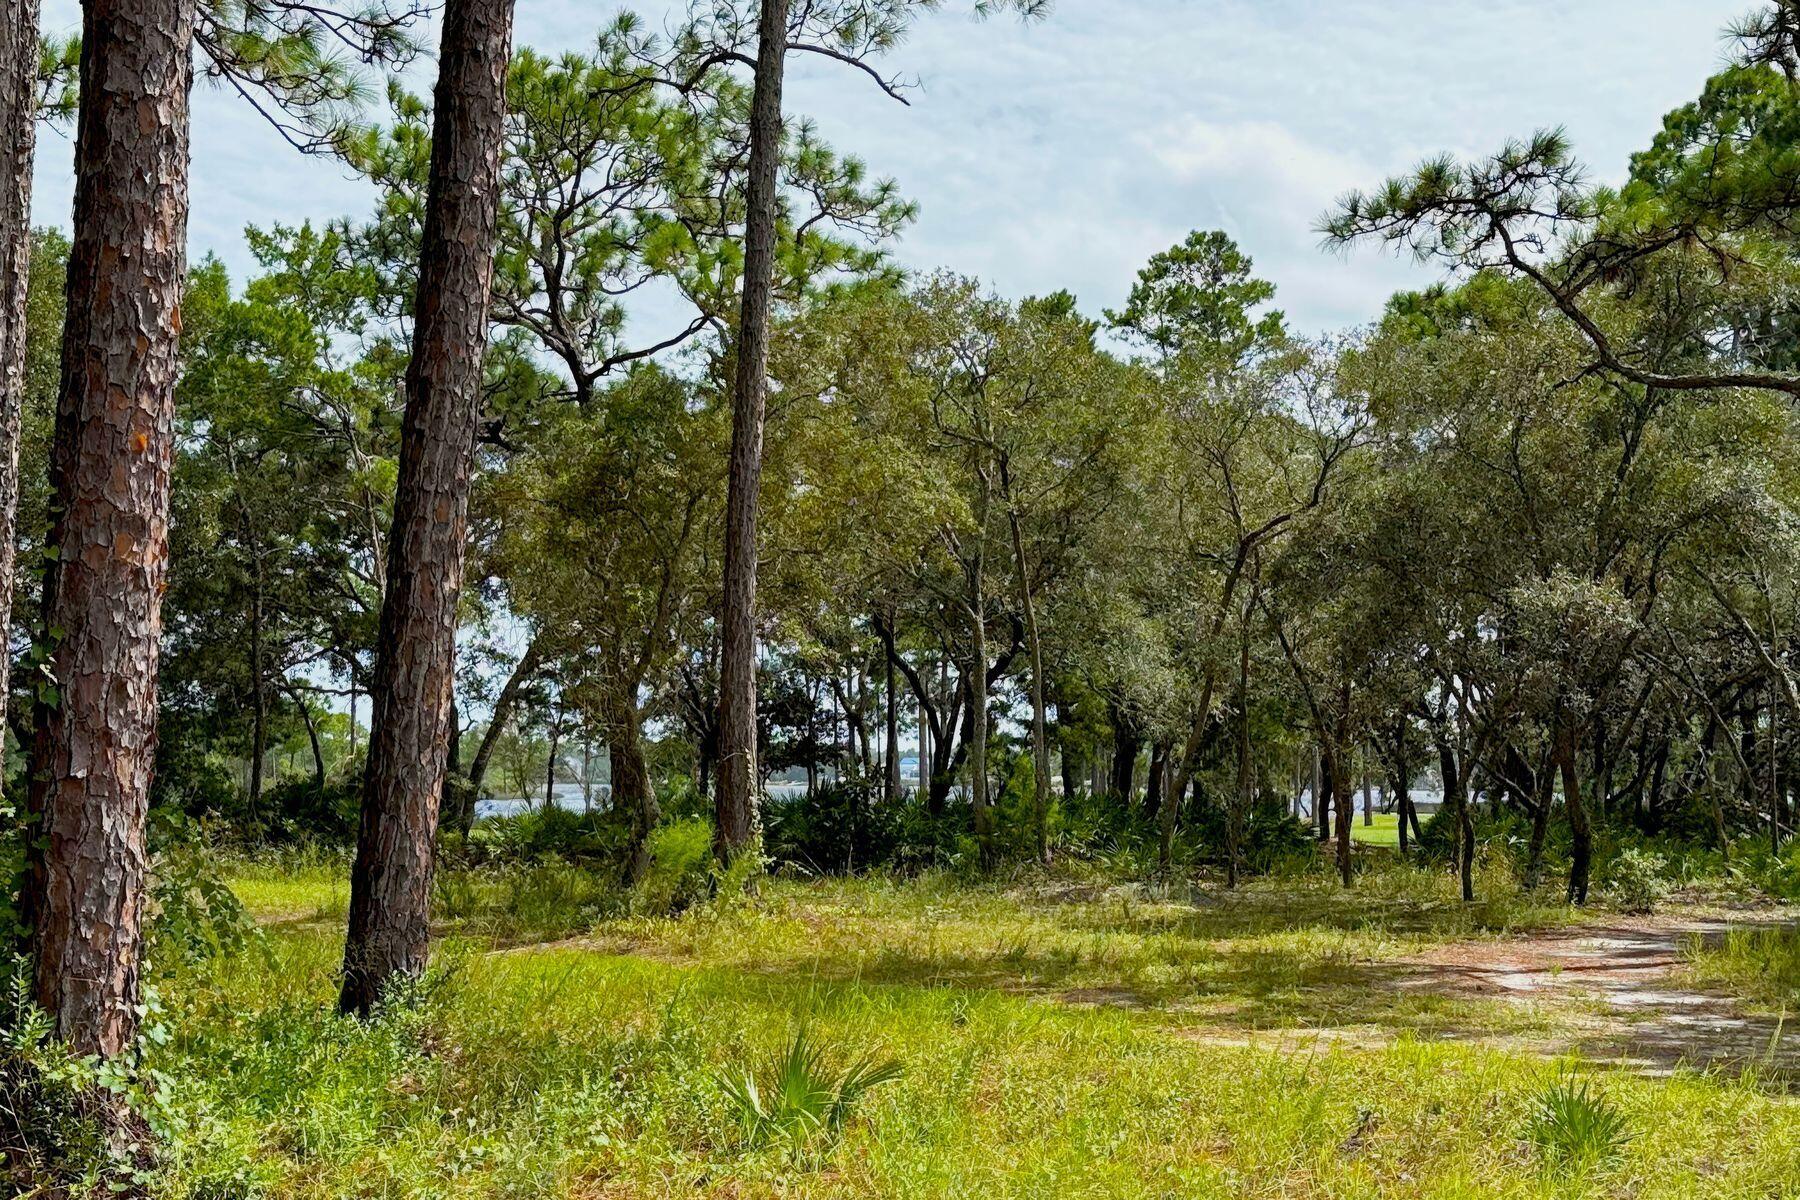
1576 1127
805 1098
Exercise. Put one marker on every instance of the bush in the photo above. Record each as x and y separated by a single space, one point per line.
195 915
68 1126
1637 879
544 833
847 826
298 810
680 871
1575 1127
804 1097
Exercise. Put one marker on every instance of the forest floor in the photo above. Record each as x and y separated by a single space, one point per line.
1063 1037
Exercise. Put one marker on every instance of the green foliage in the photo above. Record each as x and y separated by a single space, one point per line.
197 915
543 832
68 1125
1200 297
1637 879
802 1097
544 897
680 874
1576 1127
846 826
1761 964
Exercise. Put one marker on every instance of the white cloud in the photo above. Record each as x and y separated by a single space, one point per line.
1063 154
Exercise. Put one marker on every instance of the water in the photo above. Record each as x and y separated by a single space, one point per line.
568 797
1424 799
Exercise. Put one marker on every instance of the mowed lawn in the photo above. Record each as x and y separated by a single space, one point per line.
1384 832
1062 1038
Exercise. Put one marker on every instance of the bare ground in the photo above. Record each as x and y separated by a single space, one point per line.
1615 989
1624 982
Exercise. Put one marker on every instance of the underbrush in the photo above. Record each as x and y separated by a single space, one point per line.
562 1072
1762 964
846 827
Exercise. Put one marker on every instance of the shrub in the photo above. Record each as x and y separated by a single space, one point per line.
196 916
68 1126
804 1097
298 810
545 833
847 825
680 871
1575 1127
1637 879
547 897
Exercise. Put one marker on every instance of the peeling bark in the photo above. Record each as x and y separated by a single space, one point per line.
390 886
95 744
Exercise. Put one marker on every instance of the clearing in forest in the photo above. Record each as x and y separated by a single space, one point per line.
1058 1037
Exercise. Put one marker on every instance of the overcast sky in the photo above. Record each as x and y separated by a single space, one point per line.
1062 154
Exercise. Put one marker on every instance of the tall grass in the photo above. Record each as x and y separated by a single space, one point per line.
1762 964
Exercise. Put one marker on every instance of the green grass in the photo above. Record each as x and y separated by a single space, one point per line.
274 892
1762 964
1384 832
1064 1039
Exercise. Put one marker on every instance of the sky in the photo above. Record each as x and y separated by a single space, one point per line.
1062 154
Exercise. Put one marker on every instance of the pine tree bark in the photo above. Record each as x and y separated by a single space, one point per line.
737 822
95 742
390 885
18 139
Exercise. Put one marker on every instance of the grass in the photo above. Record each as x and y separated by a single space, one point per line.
1384 832
1067 1038
1762 964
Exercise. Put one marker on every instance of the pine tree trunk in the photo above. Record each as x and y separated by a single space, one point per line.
1240 807
390 885
259 694
978 726
312 737
1341 788
1126 744
1402 790
738 823
1321 793
18 136
550 767
1166 819
1155 780
1456 799
95 742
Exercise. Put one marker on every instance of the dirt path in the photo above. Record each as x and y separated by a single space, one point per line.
1623 977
